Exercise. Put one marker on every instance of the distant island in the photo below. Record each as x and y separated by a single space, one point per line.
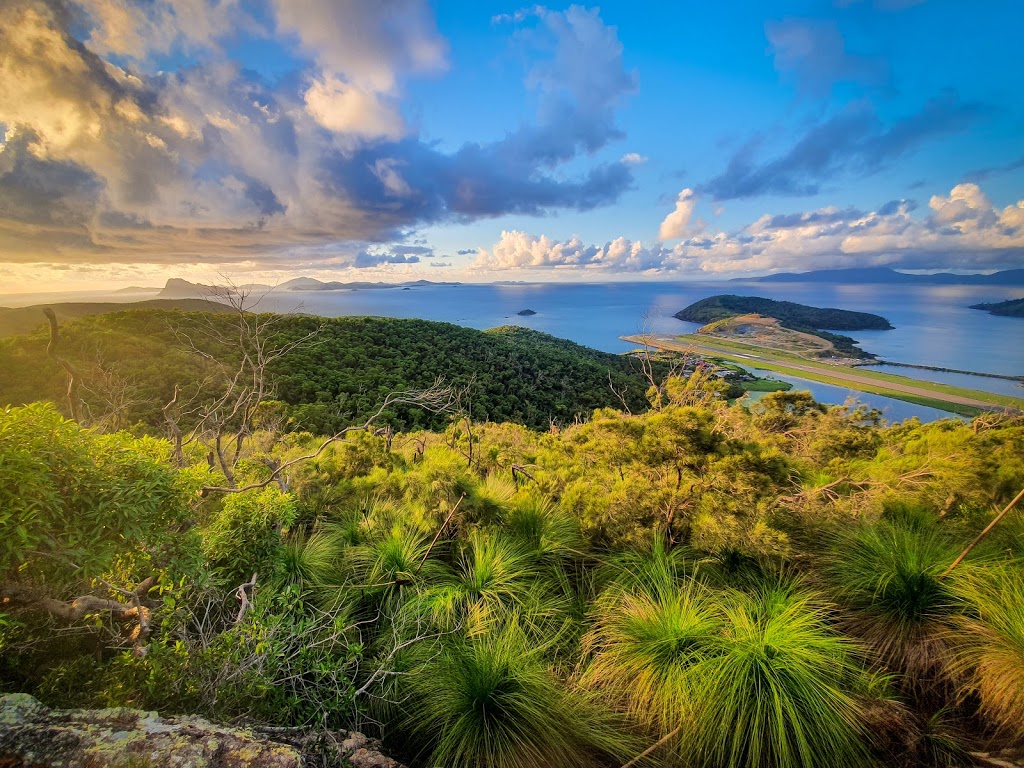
177 288
526 312
799 317
1011 308
887 276
717 312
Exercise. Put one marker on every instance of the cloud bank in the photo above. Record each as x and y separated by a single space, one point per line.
106 158
961 230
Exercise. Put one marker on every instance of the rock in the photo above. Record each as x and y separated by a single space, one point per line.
526 312
34 736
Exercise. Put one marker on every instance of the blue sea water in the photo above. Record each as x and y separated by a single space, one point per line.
933 324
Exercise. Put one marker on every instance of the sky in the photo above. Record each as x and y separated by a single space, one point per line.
479 141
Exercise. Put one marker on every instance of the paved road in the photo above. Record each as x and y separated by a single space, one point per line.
837 372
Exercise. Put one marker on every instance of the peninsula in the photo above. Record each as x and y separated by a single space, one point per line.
784 324
1011 308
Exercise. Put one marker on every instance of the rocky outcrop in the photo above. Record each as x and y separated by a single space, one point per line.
34 736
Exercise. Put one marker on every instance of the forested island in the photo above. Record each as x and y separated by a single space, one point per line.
799 317
1010 308
346 542
796 317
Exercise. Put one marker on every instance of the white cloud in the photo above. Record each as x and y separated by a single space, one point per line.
344 108
633 158
963 231
139 30
522 251
369 45
676 224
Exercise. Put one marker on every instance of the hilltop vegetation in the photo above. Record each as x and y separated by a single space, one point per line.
790 585
138 357
1011 308
19 320
763 589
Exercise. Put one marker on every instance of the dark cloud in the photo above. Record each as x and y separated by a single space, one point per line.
788 220
894 206
365 259
440 263
467 251
42 192
994 170
853 143
813 54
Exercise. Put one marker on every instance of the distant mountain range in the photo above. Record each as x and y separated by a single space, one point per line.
887 276
178 288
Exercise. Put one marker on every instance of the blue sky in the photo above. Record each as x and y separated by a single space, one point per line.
480 141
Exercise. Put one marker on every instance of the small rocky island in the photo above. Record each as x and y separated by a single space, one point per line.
1011 308
526 312
784 324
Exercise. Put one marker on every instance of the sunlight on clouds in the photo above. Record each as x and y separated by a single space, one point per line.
344 108
964 231
676 224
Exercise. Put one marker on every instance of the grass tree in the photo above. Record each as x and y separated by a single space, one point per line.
491 701
887 575
989 642
738 679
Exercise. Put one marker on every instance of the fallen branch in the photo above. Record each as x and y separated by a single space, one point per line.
651 749
78 608
984 533
439 532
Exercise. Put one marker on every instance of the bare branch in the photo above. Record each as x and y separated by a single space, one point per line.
74 379
984 533
243 597
439 532
437 399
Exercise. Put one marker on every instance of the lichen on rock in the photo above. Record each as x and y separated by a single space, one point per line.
35 736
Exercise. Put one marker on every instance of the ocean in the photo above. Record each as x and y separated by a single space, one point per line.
933 324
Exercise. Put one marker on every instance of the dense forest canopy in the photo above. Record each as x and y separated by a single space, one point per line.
707 584
507 374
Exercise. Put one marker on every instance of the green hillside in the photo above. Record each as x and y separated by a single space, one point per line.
509 374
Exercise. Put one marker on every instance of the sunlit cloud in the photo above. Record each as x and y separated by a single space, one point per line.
105 161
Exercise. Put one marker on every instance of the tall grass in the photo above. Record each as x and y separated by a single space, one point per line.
493 578
652 651
490 702
887 575
747 679
989 641
778 693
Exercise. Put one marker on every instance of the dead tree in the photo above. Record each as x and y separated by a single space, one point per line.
436 399
74 377
224 406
